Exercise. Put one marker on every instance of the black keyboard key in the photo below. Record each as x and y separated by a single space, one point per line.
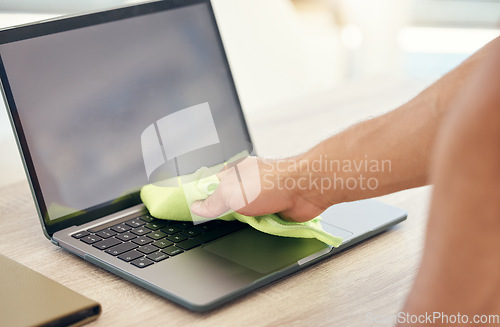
104 244
171 230
156 235
218 223
212 224
157 256
121 228
204 227
162 243
136 222
147 249
130 255
121 248
188 244
192 232
143 240
155 225
106 233
177 237
147 218
96 229
208 236
184 225
126 236
91 239
141 231
80 234
142 262
218 232
172 250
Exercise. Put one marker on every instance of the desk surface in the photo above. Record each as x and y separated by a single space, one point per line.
369 280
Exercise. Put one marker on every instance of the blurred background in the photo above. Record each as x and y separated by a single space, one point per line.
291 57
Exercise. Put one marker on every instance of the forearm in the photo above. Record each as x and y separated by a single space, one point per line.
379 156
389 152
400 140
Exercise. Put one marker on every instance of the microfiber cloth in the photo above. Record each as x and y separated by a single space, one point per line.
173 203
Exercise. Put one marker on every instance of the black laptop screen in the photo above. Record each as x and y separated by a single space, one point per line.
82 99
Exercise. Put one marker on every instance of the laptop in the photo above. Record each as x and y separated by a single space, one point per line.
81 90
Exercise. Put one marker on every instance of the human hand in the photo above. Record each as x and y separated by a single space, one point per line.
255 186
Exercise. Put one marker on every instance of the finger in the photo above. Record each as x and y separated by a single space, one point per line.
222 173
297 215
227 196
211 207
227 169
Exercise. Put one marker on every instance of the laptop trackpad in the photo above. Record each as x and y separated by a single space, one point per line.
262 252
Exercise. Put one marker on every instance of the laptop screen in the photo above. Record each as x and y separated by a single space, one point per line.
83 99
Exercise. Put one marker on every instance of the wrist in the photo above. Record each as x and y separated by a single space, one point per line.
314 178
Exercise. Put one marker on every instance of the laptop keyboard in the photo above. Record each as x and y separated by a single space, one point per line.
143 241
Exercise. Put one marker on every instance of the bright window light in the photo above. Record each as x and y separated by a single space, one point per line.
445 39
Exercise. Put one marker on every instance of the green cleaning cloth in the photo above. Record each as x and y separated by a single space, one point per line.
173 203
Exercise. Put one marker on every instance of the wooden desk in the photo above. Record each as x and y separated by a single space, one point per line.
366 281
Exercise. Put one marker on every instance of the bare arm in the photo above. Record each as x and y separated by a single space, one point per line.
460 267
403 137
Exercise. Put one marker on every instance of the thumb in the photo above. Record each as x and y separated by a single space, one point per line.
212 207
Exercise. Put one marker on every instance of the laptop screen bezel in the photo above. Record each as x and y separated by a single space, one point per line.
63 24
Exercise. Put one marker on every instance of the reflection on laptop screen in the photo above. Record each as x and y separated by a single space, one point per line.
85 96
